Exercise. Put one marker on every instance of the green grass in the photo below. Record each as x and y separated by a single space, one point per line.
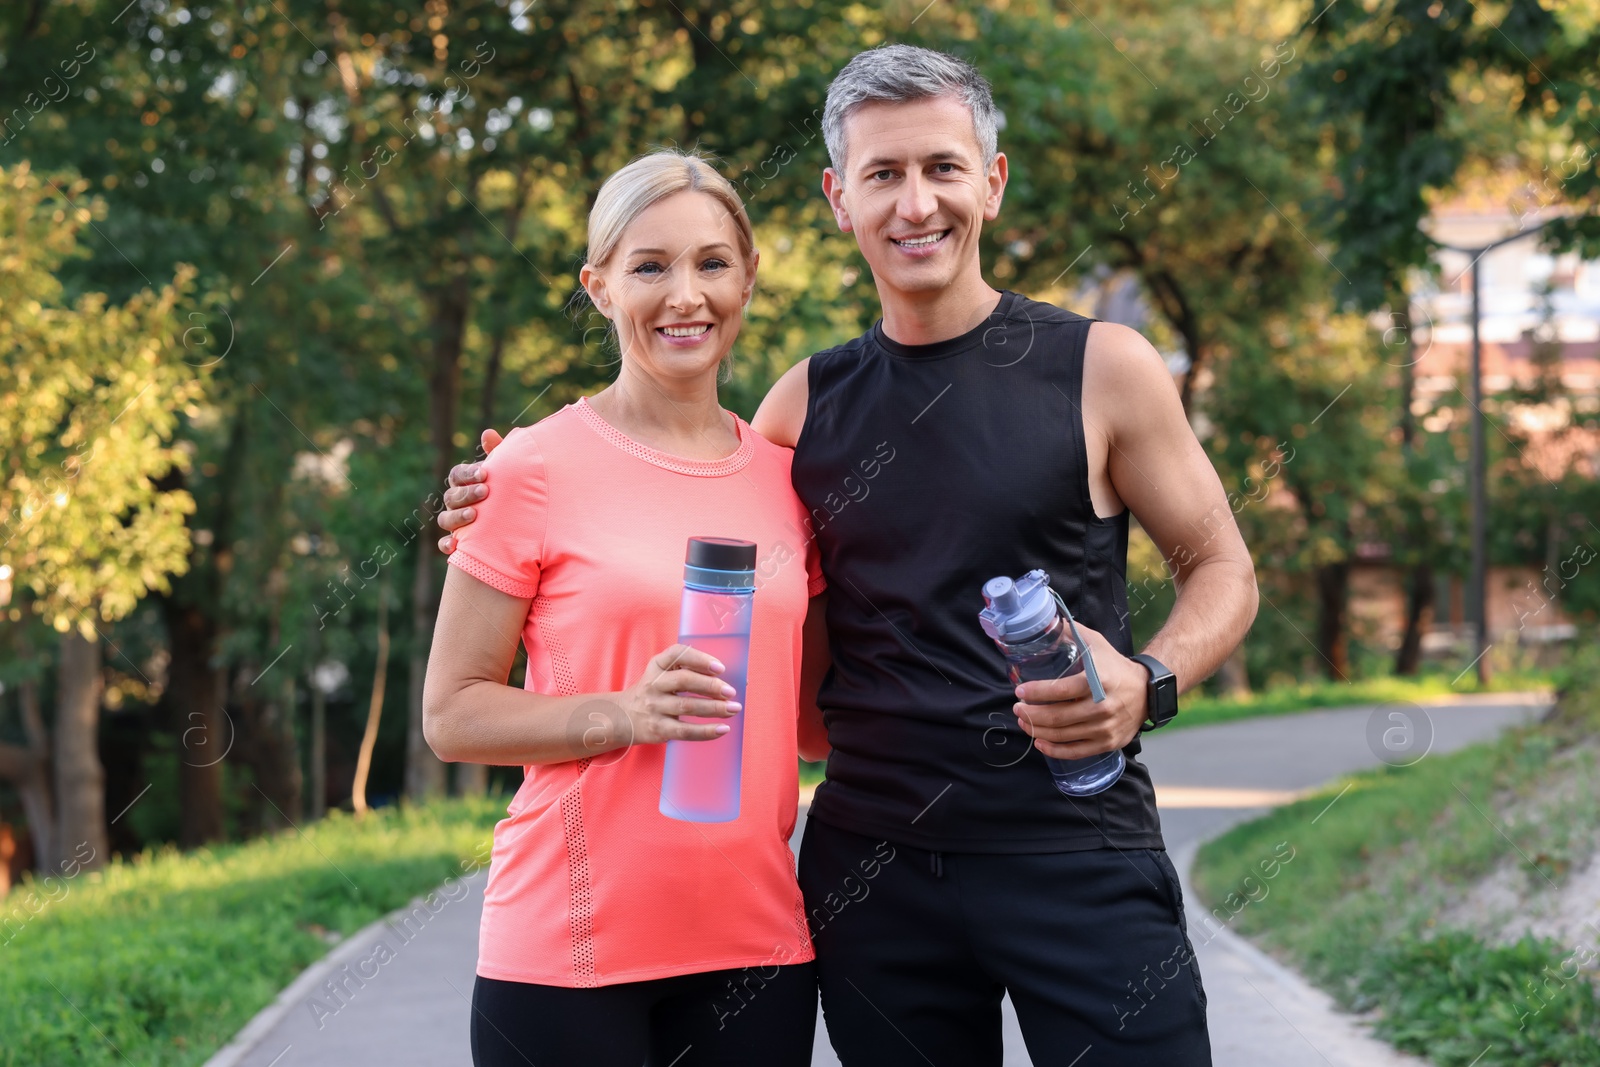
162 960
1357 908
1195 709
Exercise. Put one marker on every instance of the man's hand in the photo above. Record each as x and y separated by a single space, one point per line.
467 487
1067 724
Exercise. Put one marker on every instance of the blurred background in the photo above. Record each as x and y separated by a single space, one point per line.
269 267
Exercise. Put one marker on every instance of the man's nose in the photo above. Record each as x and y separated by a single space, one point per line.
916 201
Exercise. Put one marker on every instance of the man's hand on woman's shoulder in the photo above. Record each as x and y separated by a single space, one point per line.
468 486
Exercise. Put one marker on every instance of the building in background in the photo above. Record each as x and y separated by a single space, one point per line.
1540 315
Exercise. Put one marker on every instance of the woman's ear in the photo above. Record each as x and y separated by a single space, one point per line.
595 285
750 277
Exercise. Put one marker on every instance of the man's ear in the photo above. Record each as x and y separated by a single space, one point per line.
833 189
997 187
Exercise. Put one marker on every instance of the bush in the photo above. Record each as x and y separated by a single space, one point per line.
1459 1002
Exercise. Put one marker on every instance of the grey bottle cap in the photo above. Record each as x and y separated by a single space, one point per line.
1017 610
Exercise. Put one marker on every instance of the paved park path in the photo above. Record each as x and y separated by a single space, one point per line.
405 994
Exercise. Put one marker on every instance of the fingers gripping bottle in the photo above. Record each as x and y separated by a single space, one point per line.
1031 624
700 782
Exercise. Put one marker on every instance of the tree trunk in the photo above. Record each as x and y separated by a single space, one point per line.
34 788
425 772
80 779
1419 614
380 677
194 693
1333 581
269 747
1232 678
471 780
319 751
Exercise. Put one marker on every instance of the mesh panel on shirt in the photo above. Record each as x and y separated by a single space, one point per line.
580 900
560 667
802 927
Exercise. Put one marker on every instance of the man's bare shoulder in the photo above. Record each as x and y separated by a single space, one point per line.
782 413
1119 362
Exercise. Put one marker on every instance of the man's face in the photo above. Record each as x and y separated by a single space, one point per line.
914 191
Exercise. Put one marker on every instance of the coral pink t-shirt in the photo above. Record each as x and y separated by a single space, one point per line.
589 883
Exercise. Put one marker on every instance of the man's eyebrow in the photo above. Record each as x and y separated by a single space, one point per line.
943 156
662 251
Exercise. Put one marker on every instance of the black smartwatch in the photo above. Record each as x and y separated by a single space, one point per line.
1163 699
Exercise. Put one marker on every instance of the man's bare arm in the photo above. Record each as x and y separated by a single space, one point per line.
1162 473
782 413
1156 466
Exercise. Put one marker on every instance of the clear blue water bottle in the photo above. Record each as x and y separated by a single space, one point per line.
700 781
1031 624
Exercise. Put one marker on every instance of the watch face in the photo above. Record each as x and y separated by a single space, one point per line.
1163 697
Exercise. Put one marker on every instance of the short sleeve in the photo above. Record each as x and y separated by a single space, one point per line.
504 546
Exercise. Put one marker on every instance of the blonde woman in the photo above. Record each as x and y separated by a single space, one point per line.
612 934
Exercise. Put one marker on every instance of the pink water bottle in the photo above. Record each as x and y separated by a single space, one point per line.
700 782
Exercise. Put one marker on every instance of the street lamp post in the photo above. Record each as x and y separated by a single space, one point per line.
1478 584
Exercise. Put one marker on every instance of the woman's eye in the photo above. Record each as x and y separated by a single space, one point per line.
713 264
651 267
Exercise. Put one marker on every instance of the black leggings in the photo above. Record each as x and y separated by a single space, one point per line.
752 1015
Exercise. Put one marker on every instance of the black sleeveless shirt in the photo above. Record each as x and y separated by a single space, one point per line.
927 470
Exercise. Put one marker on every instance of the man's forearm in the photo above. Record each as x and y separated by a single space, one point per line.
1216 604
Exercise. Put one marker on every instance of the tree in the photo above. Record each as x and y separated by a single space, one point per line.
89 395
1402 85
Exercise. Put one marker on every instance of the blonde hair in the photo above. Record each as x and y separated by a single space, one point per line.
646 181
635 188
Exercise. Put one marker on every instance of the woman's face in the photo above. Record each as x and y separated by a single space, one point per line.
676 286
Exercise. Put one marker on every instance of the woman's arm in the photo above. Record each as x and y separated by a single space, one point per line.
814 664
470 714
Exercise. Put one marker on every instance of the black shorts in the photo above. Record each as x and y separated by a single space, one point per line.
732 1018
915 949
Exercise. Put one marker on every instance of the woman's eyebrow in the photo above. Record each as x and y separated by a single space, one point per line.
662 251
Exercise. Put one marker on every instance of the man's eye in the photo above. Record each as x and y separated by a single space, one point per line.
945 168
883 174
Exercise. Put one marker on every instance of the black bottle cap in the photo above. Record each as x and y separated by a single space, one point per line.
721 554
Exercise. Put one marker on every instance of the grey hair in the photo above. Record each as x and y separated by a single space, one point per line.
893 73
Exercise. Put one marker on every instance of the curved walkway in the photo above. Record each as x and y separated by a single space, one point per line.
395 994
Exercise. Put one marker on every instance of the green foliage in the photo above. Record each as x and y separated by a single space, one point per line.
385 213
1578 697
1396 78
172 953
1453 999
89 399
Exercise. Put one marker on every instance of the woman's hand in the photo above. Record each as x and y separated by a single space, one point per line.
678 681
467 487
